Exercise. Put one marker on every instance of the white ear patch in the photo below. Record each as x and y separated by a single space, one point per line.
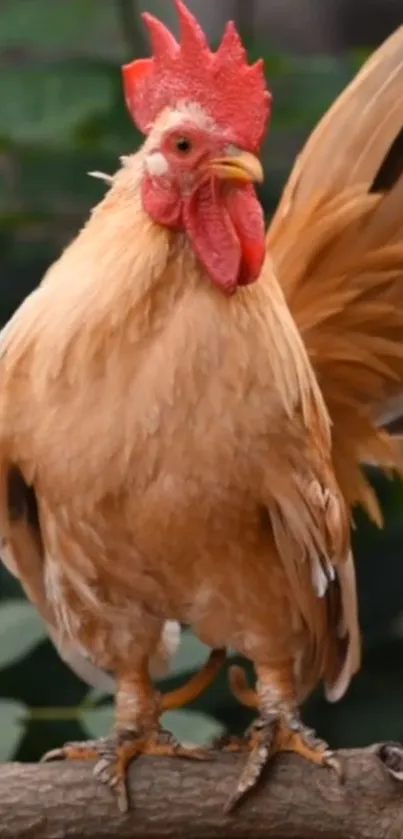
156 164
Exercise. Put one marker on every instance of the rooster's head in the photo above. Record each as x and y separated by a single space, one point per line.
205 117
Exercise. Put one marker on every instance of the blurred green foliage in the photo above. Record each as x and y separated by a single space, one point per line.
62 114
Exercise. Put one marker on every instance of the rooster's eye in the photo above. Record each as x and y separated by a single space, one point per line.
183 145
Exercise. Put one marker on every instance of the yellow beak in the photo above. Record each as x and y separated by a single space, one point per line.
244 167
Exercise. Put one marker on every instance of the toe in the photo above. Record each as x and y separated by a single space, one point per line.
332 762
295 737
113 774
232 744
114 754
257 760
163 743
261 746
193 753
53 754
72 751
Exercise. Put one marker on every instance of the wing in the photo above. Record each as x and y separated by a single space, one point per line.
37 385
310 525
337 245
22 553
309 519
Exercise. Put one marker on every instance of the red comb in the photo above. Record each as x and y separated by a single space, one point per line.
232 92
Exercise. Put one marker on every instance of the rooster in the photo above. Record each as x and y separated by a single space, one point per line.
166 451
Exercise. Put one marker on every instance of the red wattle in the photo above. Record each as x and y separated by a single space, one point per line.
247 216
227 232
212 235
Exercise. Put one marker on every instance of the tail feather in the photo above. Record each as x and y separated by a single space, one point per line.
350 143
336 243
337 246
343 668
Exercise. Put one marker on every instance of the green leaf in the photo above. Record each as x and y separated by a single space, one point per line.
358 56
93 696
21 630
84 27
308 87
275 63
187 726
192 726
97 721
55 182
11 714
49 103
190 655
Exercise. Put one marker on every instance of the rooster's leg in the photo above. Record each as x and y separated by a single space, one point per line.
279 727
137 729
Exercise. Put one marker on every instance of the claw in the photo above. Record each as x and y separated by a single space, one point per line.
112 771
332 762
114 754
72 751
250 776
267 738
53 754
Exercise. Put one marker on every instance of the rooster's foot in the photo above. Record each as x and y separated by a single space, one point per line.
113 755
267 737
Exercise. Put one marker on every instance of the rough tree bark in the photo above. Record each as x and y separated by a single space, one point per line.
185 799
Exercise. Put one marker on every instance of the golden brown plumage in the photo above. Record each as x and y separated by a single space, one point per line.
337 244
163 442
166 452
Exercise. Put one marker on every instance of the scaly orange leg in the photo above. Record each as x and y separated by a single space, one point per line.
137 730
279 727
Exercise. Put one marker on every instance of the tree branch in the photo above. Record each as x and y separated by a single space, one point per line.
185 799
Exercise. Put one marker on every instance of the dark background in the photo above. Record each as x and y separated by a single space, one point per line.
62 115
